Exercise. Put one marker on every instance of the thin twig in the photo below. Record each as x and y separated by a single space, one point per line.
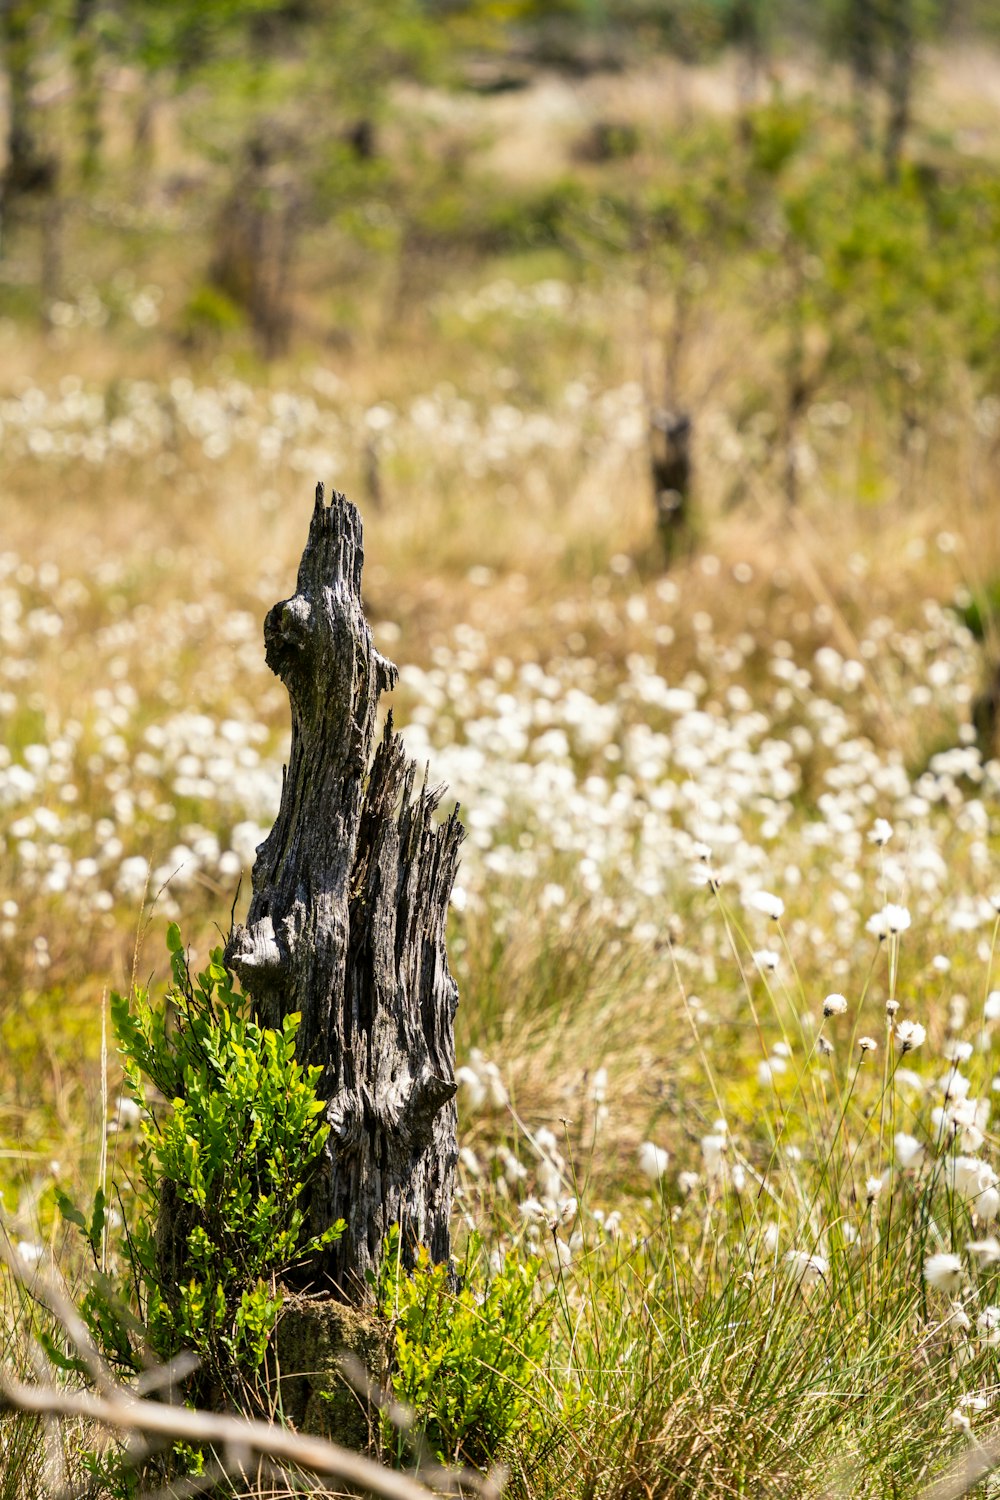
52 1296
242 1436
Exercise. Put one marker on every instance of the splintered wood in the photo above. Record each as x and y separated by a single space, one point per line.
347 921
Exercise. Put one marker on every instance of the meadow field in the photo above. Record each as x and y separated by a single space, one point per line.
725 931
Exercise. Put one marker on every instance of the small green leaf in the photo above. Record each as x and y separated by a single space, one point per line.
61 1360
69 1211
96 1229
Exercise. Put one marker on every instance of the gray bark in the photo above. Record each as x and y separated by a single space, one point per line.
347 920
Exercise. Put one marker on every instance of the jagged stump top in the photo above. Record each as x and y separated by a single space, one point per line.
347 919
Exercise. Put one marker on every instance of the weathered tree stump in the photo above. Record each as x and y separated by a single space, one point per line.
347 921
255 243
670 471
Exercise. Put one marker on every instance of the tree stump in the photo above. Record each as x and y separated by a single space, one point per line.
670 471
347 922
255 243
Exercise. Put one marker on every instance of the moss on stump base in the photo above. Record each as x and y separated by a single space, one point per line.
311 1391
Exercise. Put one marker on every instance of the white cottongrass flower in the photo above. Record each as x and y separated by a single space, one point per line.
889 922
972 1121
806 1268
470 1161
495 1087
986 1251
770 905
873 1187
532 1210
564 1254
867 1044
970 1137
991 1010
129 1112
909 1034
909 1151
610 1223
962 1115
513 1170
905 1078
766 960
653 1161
712 1148
834 1005
473 1088
957 1318
956 1051
986 1205
988 1324
954 1084
881 832
770 1237
943 1271
973 1178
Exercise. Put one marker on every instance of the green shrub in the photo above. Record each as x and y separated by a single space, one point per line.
209 315
229 1140
467 1348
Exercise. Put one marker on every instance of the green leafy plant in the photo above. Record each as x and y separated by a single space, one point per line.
209 315
467 1348
229 1140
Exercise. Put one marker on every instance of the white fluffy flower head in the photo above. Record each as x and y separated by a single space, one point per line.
909 1034
889 922
806 1268
770 905
653 1161
943 1271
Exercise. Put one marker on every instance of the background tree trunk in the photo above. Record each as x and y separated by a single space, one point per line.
347 920
88 91
255 244
862 26
901 38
